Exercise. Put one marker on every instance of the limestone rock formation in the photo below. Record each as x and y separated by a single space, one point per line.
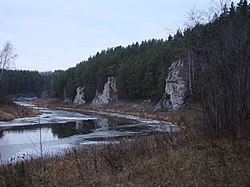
80 96
109 93
176 89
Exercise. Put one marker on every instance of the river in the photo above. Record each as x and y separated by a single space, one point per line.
53 131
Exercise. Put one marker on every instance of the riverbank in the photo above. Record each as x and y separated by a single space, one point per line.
188 116
12 111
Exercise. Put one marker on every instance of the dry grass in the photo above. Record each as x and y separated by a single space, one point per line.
179 159
12 111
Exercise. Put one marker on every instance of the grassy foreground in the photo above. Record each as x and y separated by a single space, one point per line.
179 159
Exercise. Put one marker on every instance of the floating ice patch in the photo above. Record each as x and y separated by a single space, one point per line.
49 116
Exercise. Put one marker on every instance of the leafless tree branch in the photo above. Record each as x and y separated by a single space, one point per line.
7 58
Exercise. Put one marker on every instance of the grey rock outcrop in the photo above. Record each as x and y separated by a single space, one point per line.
176 89
80 96
109 93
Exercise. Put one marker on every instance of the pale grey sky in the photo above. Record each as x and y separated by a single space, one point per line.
58 34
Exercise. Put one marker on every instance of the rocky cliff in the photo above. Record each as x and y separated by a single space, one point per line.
109 93
80 96
176 89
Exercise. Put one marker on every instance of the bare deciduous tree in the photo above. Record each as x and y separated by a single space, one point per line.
7 58
221 56
197 16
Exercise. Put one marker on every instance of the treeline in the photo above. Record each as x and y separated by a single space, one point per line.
28 82
140 70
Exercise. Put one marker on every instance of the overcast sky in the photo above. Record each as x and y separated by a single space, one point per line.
58 34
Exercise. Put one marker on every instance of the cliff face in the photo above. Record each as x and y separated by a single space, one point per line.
80 96
177 84
176 89
109 93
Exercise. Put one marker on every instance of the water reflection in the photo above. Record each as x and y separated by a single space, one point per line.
64 130
71 128
58 130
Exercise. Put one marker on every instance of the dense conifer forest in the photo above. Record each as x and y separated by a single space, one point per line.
140 70
27 82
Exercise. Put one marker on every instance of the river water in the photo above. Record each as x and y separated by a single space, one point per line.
56 130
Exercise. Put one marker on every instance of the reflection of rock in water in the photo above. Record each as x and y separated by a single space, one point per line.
72 128
109 121
83 125
105 121
102 122
79 125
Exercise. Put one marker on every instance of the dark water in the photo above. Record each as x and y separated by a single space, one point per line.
56 130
